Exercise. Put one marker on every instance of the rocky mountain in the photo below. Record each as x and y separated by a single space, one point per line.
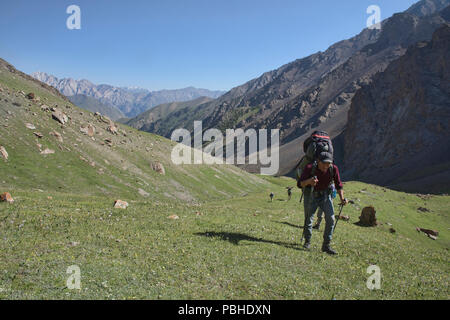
397 130
130 101
153 120
316 91
94 105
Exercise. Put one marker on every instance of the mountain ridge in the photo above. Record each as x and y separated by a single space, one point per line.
130 101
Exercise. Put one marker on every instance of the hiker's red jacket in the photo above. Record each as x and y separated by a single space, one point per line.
324 178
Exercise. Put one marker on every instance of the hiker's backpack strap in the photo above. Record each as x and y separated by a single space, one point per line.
314 169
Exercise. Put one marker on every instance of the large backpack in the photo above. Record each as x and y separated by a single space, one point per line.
318 142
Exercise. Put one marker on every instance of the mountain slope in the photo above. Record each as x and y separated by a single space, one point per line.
153 120
397 132
130 101
123 164
93 105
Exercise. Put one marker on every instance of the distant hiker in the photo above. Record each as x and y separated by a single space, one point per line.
271 196
289 190
316 181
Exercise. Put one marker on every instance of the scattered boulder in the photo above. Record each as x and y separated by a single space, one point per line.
112 128
174 217
31 96
45 108
368 217
108 142
57 135
60 116
3 153
344 218
88 130
430 233
38 134
48 151
6 197
30 126
119 204
158 167
391 230
423 209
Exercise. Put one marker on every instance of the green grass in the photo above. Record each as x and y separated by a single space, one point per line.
240 248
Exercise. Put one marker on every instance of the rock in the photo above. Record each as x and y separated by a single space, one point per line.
60 116
30 126
174 217
3 153
31 96
88 130
97 114
433 233
45 108
6 197
112 128
38 134
391 230
368 217
423 209
158 167
108 142
48 151
344 218
119 204
57 135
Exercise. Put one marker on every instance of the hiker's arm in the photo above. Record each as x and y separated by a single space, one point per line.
339 186
309 182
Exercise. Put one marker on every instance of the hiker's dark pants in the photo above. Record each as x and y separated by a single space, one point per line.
324 202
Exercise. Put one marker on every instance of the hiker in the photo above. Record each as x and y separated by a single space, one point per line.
289 190
316 181
271 196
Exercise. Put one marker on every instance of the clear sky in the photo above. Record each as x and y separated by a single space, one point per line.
170 44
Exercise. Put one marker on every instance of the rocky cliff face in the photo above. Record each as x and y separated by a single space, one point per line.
397 131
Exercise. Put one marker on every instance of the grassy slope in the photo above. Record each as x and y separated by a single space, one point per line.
126 169
244 247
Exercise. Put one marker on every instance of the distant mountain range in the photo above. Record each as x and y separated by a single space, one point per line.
130 101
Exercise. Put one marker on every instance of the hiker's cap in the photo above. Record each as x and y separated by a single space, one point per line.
326 157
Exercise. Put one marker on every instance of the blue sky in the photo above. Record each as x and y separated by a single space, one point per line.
170 44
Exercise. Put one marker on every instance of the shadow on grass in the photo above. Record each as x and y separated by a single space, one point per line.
235 238
290 224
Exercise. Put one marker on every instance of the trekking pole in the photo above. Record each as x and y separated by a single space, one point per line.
339 216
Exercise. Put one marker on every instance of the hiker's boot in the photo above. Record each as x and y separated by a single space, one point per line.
307 245
326 248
